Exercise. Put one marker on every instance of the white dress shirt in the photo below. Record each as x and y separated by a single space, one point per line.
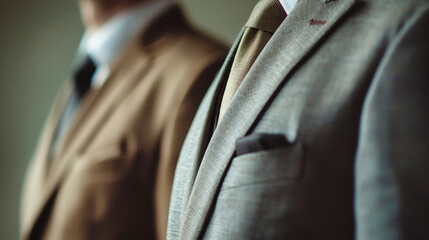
288 5
105 43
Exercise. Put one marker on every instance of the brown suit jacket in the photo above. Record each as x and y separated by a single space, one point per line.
110 176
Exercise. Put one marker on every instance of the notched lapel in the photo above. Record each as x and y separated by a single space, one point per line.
293 40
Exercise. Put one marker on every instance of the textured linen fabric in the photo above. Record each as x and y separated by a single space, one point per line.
346 83
111 175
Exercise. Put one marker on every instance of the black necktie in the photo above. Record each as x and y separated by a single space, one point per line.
83 76
82 82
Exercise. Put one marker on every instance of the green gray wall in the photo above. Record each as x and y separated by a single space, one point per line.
37 43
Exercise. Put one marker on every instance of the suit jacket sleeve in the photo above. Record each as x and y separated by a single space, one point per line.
392 163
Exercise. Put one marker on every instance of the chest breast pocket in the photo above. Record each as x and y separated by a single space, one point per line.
264 159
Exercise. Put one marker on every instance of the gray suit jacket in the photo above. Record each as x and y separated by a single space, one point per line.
346 83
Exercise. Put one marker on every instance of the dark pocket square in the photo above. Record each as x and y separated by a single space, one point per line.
260 142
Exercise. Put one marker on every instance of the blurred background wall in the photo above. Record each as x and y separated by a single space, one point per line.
37 45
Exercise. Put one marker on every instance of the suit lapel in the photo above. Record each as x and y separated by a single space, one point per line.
196 141
205 120
52 123
296 36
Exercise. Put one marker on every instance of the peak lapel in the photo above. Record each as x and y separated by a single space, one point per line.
297 35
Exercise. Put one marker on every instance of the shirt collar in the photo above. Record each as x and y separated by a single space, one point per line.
288 5
103 44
